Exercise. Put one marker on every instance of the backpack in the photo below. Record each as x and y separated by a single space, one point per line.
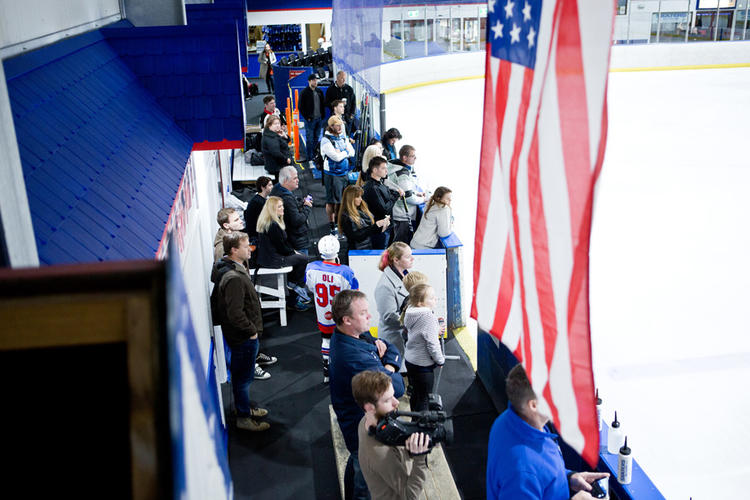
318 159
257 159
222 268
253 141
253 89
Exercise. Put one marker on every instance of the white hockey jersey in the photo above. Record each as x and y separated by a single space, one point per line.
325 280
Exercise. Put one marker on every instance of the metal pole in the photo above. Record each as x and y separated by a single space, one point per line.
479 29
450 29
627 37
425 31
744 30
658 23
716 23
687 22
382 115
403 35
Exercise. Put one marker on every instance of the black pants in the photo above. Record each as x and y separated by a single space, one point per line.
269 81
401 231
421 378
298 263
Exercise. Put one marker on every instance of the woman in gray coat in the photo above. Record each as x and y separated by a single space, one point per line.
390 293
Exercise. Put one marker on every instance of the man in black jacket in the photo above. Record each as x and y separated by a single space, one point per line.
379 198
296 210
312 109
340 90
237 310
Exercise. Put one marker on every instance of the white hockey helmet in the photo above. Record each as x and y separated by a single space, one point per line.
328 246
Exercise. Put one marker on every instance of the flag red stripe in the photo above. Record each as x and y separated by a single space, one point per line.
542 272
528 77
580 178
505 295
484 189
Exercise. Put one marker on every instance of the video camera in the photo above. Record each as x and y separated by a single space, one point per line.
394 432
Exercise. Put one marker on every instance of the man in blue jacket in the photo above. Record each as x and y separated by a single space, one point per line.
354 350
524 460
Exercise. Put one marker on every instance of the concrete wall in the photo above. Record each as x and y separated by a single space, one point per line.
29 24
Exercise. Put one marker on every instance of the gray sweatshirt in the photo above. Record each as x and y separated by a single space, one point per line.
423 344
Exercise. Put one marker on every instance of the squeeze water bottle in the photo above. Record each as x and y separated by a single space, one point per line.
615 437
624 464
598 410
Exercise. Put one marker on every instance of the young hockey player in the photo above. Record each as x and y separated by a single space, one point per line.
325 279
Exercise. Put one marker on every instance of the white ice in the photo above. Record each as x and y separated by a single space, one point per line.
670 259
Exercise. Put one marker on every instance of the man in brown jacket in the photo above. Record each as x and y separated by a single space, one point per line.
237 309
390 472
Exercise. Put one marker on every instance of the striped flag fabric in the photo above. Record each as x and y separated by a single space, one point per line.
543 139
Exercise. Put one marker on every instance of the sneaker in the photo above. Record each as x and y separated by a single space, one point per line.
301 292
261 374
264 359
301 305
325 379
248 424
258 412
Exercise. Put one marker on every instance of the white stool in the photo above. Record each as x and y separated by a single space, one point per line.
279 292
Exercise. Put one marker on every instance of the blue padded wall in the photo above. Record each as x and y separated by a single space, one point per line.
193 72
102 161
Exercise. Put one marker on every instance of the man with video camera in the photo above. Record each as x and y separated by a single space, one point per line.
390 472
354 350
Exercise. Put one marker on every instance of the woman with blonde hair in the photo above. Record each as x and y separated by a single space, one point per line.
274 250
390 292
373 150
437 220
423 351
356 221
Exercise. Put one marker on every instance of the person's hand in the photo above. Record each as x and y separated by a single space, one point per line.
284 129
581 481
288 161
418 443
582 495
401 192
254 337
381 347
307 202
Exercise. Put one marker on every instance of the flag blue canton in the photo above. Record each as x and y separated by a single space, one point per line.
513 30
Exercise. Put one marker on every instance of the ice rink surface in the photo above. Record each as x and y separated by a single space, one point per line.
670 259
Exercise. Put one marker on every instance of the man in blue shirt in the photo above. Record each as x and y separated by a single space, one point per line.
354 350
524 460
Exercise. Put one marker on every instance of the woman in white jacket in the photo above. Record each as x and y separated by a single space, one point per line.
436 222
266 59
423 350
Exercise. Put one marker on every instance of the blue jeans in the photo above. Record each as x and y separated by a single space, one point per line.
313 128
355 487
242 368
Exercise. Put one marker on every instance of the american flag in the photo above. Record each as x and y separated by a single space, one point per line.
545 123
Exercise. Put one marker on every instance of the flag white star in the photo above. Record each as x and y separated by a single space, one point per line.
530 36
497 29
515 34
526 11
509 9
491 5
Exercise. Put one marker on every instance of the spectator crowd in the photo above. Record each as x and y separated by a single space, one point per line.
383 207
